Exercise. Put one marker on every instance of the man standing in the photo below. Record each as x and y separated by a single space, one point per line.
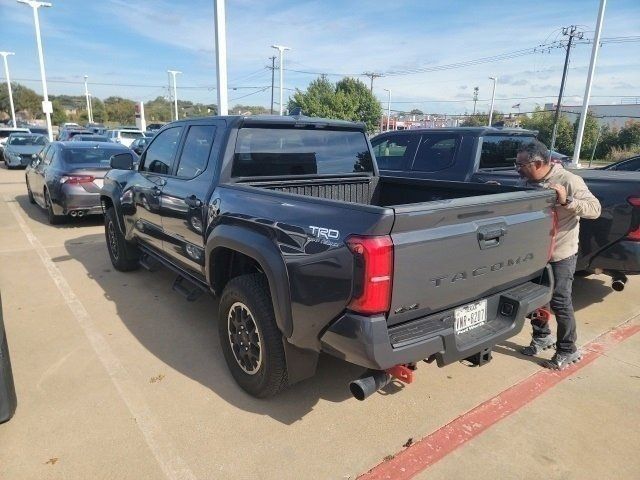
574 201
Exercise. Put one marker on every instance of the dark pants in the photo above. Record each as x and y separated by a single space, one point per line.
562 306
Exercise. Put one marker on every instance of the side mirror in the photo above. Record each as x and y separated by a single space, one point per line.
122 161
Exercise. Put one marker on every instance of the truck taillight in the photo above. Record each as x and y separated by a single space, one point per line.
635 233
554 232
373 257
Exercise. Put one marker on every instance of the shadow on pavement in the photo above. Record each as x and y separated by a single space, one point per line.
590 290
34 212
184 335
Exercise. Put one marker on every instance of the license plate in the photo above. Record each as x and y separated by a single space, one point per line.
99 182
470 316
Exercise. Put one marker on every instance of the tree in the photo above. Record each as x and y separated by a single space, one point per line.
349 99
24 100
589 136
482 119
542 121
120 110
415 111
158 110
59 116
98 110
629 135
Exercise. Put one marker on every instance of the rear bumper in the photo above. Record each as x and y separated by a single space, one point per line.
367 341
622 256
75 198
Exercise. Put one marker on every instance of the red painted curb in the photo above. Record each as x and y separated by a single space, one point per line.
424 453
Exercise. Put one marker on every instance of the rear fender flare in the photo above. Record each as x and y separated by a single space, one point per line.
264 251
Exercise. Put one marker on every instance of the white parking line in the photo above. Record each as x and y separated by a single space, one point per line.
173 466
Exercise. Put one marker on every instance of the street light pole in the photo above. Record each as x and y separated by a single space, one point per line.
221 56
281 49
388 107
175 91
47 108
6 73
493 98
86 95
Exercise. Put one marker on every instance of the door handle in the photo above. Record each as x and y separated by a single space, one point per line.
193 202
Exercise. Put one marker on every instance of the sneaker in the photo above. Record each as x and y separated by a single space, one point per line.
537 345
562 360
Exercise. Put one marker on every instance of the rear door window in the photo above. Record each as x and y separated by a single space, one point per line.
394 152
436 152
195 153
500 151
265 152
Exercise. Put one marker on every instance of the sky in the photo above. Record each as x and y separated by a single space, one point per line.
126 47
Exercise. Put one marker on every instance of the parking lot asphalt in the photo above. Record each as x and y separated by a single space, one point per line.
117 376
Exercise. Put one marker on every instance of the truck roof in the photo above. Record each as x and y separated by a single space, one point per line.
248 120
476 131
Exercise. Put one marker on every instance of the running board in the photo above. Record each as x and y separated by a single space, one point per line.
187 288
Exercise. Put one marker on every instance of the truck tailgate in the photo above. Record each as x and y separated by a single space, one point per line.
453 252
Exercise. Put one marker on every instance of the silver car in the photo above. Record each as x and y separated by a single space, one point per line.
66 177
21 148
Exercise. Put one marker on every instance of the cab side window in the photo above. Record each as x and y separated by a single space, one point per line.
160 154
196 150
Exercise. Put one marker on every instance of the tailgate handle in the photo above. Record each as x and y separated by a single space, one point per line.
489 237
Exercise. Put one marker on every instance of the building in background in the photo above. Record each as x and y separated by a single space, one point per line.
613 115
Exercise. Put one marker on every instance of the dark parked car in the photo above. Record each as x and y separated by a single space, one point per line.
89 138
66 177
155 126
139 144
22 148
97 128
67 134
629 165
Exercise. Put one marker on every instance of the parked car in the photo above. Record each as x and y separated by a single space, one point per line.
150 133
38 129
71 125
68 133
89 138
561 158
124 136
155 126
66 177
97 128
628 165
609 244
6 131
22 148
310 250
139 143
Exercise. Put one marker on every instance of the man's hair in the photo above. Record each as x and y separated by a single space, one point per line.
535 150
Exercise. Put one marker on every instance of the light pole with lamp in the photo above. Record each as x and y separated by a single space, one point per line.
47 107
388 106
281 49
86 95
493 98
175 92
6 73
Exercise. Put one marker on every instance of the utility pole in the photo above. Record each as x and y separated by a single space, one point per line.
587 90
493 98
6 73
572 32
388 107
372 75
475 98
273 74
281 49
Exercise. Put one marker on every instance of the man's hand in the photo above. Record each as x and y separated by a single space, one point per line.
561 193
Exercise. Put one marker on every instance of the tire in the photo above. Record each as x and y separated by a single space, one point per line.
52 217
124 256
245 307
30 193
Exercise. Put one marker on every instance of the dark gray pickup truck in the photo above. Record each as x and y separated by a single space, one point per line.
310 250
610 244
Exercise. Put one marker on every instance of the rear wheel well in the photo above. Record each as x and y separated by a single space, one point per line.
226 264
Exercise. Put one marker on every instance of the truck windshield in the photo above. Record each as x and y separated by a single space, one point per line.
262 152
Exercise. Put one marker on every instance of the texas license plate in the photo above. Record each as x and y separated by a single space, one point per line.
470 316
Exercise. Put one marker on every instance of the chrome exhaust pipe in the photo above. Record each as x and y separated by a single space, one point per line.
618 284
369 383
80 213
73 213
